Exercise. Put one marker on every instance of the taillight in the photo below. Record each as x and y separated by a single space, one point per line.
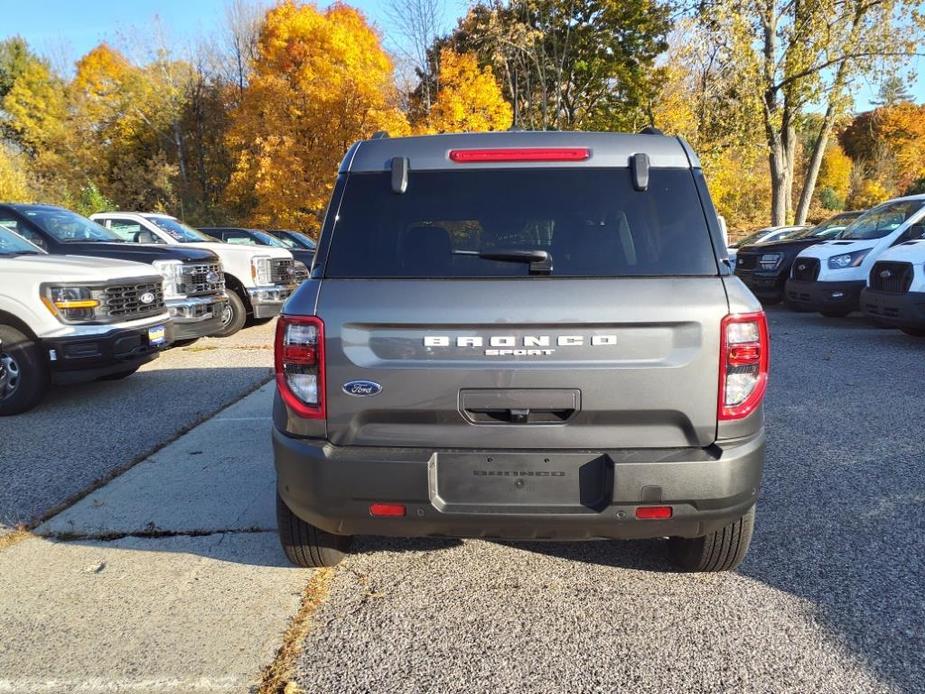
300 364
743 364
465 156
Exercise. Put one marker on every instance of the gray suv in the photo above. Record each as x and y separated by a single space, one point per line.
521 335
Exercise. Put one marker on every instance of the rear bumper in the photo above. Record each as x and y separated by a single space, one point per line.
332 487
87 357
821 296
902 310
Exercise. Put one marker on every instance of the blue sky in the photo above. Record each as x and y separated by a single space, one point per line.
65 29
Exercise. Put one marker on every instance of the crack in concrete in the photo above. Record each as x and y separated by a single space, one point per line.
150 534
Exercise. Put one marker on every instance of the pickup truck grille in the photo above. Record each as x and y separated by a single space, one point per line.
282 271
746 261
895 278
125 300
806 269
202 279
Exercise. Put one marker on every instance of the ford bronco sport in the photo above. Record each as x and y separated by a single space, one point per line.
525 335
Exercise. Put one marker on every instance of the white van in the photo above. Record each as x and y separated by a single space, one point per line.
895 291
828 277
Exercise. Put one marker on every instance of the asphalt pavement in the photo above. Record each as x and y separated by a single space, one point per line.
830 599
85 433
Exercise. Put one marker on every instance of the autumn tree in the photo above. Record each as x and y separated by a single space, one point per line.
14 186
567 64
469 99
834 182
803 54
320 82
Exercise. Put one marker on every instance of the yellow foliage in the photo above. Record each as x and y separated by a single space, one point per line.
35 106
868 193
903 129
673 109
320 82
835 171
13 184
469 99
739 186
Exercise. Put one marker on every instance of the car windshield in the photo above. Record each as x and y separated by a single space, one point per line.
14 244
179 231
265 239
881 221
68 227
759 235
513 222
294 239
826 229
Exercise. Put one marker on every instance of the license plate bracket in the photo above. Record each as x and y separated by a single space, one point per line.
520 482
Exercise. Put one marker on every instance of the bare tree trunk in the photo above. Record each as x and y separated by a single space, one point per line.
815 163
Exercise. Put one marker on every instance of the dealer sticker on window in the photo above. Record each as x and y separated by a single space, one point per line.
157 335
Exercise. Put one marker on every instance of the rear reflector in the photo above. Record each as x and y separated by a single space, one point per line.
653 512
387 510
465 156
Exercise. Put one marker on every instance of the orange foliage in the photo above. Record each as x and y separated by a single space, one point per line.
469 99
320 82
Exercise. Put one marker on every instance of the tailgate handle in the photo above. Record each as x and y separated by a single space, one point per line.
519 406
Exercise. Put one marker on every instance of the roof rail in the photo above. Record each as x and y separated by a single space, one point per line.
380 135
650 130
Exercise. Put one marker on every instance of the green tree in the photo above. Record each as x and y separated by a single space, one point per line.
893 90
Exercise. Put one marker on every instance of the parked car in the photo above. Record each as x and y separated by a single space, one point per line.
895 291
264 239
829 276
65 319
194 289
257 281
293 239
521 335
765 267
766 235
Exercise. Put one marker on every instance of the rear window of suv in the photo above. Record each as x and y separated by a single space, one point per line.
591 221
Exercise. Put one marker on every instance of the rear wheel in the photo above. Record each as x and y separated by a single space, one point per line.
722 550
304 544
26 374
915 332
234 315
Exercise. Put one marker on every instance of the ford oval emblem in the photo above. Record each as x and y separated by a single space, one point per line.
146 298
362 389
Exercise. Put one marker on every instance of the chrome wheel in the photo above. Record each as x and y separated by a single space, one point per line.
227 315
10 382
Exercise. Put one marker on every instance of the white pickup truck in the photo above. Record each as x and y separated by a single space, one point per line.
258 280
65 319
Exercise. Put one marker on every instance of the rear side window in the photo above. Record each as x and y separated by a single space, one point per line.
591 221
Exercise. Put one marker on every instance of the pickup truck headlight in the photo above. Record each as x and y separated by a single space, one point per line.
840 262
72 304
260 270
172 270
770 261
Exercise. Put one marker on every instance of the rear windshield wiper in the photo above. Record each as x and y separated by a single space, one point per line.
540 261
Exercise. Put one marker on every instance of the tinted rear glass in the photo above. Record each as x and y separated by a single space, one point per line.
591 221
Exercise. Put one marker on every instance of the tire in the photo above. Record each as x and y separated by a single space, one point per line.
304 544
721 550
835 313
27 373
914 332
119 375
233 317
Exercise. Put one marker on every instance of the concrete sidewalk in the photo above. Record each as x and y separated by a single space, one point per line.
169 578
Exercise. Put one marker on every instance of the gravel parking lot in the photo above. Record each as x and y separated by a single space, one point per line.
829 600
83 433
